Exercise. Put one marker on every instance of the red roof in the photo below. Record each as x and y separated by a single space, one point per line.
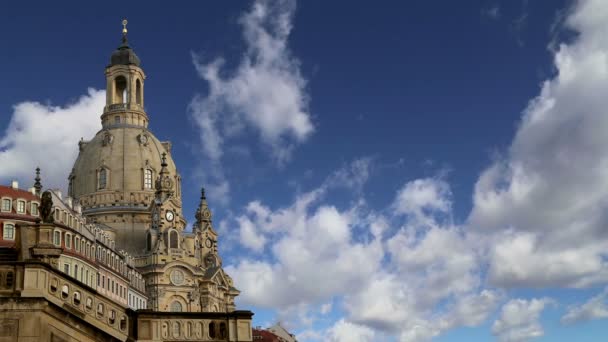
7 191
264 336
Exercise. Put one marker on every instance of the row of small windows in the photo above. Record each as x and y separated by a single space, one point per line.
111 286
67 219
7 205
102 180
216 330
77 300
121 94
88 250
136 303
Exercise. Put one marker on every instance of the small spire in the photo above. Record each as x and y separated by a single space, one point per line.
164 160
124 31
203 194
37 184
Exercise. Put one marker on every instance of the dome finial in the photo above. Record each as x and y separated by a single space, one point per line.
124 30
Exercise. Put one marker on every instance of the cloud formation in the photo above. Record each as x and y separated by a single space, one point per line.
266 93
545 202
413 276
595 308
519 320
45 135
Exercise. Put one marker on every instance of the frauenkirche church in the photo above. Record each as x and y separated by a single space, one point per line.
111 260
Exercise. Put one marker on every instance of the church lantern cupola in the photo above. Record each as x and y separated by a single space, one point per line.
124 88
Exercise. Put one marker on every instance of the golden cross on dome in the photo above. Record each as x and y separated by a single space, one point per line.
124 27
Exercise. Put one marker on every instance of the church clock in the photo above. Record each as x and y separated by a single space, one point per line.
169 216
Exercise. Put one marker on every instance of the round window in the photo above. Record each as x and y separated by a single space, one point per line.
177 277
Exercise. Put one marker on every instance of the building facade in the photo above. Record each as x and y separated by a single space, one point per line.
112 259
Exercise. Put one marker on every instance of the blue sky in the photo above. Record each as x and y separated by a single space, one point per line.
406 171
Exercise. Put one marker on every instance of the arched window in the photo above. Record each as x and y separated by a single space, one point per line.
176 306
173 239
65 291
120 90
147 179
100 309
138 92
76 298
103 178
223 331
212 329
149 241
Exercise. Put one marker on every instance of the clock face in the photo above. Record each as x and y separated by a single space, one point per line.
208 243
169 215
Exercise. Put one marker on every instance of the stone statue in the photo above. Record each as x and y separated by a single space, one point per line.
46 207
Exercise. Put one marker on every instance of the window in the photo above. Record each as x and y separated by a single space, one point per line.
112 317
212 329
76 298
68 240
117 119
120 90
76 271
77 243
66 269
173 239
138 92
57 238
9 231
147 179
123 323
149 241
34 209
21 207
223 332
65 291
89 303
176 306
6 204
103 178
53 285
100 309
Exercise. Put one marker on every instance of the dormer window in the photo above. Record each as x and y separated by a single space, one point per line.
21 207
34 210
6 204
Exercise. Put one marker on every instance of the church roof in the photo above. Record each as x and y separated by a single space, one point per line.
124 55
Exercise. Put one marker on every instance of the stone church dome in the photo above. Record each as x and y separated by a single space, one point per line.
115 173
118 168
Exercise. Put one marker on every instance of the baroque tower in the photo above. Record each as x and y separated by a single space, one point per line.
126 181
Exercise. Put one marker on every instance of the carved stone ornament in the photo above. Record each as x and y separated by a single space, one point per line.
108 139
143 139
46 207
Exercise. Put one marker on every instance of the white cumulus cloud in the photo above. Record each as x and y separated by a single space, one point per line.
265 93
519 320
548 197
47 136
